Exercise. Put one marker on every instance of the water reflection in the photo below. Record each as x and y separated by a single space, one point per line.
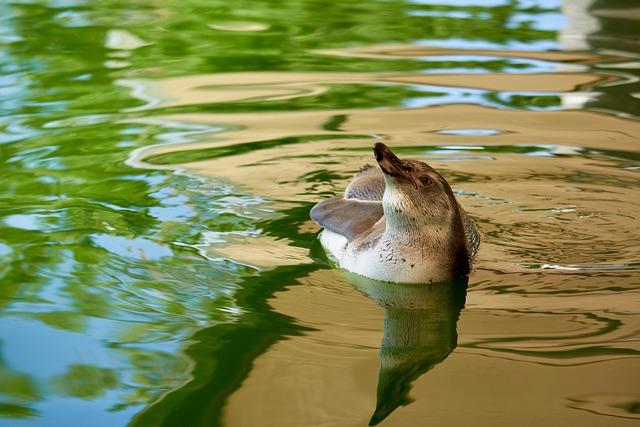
419 332
162 293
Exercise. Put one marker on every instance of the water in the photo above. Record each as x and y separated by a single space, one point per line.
159 160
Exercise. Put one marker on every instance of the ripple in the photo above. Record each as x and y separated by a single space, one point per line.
5 250
537 91
470 132
123 40
28 221
137 248
585 267
141 281
609 404
239 26
87 120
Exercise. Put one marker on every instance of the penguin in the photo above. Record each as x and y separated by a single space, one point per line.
398 223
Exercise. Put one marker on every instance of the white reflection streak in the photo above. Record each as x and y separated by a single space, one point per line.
579 24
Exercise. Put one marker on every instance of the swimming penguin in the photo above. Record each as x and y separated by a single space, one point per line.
399 223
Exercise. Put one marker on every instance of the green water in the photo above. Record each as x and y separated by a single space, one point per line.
114 308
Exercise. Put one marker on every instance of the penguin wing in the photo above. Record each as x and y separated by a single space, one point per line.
347 217
471 234
368 184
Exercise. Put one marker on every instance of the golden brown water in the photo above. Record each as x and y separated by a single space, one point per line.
550 326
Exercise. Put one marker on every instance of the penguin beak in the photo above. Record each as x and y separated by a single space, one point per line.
391 165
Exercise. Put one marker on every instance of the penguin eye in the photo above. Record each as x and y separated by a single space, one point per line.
425 180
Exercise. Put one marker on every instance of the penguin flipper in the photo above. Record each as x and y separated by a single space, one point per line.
347 217
368 184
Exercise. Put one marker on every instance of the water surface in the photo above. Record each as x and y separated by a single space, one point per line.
157 263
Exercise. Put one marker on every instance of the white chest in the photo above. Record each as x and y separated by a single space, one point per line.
390 260
334 243
401 263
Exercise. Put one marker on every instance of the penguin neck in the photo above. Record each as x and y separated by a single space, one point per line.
440 240
404 219
401 227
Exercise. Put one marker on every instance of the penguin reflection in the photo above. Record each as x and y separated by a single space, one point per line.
419 332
